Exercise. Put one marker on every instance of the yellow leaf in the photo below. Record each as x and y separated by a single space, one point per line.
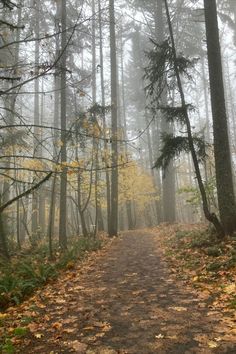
178 308
230 289
212 344
3 316
38 335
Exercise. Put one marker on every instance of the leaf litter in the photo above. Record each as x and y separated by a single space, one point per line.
122 300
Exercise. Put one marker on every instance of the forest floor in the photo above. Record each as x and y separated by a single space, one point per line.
125 298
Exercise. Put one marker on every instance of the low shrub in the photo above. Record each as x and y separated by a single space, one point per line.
24 275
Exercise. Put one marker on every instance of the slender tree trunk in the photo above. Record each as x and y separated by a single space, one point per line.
56 137
42 194
80 208
168 178
106 148
51 216
224 179
35 204
3 241
124 124
63 186
98 212
114 146
151 161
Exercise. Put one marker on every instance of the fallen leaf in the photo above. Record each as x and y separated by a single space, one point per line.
60 301
88 328
172 337
41 306
33 327
230 289
3 316
69 330
212 344
100 335
57 325
178 308
38 335
78 346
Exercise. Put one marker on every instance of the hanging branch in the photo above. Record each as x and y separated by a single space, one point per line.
27 192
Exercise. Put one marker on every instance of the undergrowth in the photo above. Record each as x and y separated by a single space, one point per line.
26 273
197 256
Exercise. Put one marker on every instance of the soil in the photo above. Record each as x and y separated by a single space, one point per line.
124 300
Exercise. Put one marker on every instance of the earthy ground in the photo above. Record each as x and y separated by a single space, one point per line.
122 300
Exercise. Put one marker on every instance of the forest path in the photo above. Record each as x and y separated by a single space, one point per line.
123 300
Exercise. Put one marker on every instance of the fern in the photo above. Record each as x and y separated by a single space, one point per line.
26 270
8 283
45 272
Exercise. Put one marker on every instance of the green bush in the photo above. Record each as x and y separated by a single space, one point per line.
213 251
7 347
201 239
181 234
232 303
213 267
46 272
20 331
230 263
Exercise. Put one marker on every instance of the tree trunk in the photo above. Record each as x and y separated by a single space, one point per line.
63 186
56 137
224 179
3 241
108 187
168 178
114 114
35 204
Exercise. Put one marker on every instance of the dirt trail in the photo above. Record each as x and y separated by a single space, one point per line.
124 301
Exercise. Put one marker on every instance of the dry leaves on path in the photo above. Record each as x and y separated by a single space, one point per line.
122 300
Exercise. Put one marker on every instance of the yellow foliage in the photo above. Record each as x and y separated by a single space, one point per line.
136 185
33 164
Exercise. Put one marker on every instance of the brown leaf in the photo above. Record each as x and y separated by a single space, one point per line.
33 327
57 325
79 347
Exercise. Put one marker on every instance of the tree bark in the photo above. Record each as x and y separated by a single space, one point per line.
168 178
63 186
223 168
35 199
113 231
106 148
